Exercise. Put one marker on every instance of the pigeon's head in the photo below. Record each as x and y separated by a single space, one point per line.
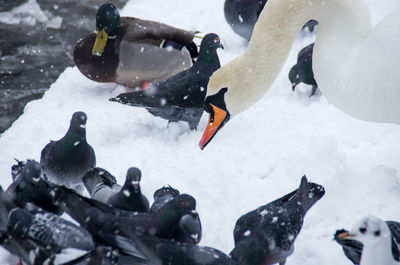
166 191
189 229
78 121
186 203
210 41
133 177
370 231
108 26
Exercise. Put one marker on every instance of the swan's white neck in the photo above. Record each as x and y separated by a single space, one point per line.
272 39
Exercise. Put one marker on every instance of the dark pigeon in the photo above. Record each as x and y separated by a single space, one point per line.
105 222
353 248
162 196
181 97
130 197
48 229
158 251
242 15
100 184
189 227
32 187
36 236
267 234
65 161
302 72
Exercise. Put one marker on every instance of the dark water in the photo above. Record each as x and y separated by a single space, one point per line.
33 56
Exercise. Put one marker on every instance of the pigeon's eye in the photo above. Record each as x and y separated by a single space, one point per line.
185 204
377 233
216 40
363 230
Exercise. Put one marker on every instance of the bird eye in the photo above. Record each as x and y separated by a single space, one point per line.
363 230
377 233
216 40
185 204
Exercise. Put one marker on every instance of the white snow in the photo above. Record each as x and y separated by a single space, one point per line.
257 157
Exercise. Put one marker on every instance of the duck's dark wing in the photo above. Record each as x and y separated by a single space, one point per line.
154 32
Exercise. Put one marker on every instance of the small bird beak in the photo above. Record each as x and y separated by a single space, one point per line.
216 120
221 46
345 235
294 86
100 43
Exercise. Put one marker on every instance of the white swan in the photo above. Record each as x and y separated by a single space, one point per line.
355 65
376 238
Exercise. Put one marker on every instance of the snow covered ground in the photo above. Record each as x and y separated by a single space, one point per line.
257 157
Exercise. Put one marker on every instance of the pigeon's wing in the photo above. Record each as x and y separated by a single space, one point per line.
49 229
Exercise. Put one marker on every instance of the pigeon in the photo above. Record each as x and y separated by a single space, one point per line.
130 196
353 248
37 236
188 229
377 241
100 184
162 196
48 229
66 160
104 222
32 187
302 72
267 234
180 97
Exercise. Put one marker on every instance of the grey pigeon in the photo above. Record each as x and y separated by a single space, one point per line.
266 235
180 97
130 196
162 196
100 184
66 160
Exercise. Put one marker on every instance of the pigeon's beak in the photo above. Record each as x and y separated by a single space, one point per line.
217 119
221 46
345 235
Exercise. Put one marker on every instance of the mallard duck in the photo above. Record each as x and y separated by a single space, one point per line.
132 51
354 64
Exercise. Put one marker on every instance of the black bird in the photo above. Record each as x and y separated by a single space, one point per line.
267 234
104 222
302 71
100 184
36 236
181 97
31 186
162 196
242 15
66 160
353 248
189 227
48 229
130 196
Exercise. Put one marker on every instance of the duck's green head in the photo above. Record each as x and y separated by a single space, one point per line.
108 25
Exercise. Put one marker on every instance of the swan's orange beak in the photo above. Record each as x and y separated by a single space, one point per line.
216 120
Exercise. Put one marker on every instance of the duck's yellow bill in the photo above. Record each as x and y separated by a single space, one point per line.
100 43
